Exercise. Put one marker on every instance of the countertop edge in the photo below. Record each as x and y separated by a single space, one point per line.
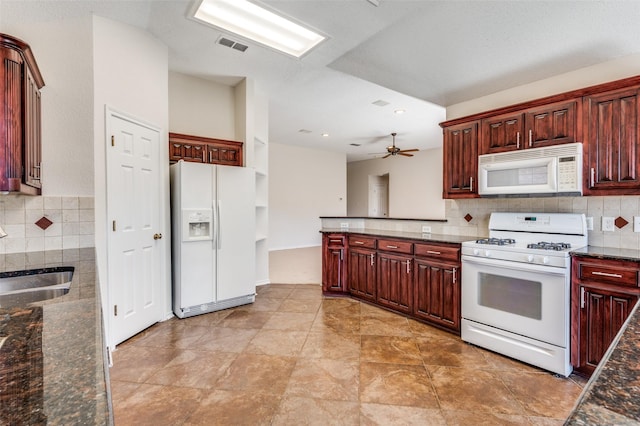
426 237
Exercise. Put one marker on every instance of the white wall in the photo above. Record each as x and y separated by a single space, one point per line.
62 49
131 76
627 66
415 185
304 184
201 107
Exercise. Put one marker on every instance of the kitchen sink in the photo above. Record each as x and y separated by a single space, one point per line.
31 286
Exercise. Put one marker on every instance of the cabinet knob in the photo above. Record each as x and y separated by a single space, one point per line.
157 236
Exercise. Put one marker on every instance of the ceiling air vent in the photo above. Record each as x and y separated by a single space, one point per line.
232 44
380 103
354 144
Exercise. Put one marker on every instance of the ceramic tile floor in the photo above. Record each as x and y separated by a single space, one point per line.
297 358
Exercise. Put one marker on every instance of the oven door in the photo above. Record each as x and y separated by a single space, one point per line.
528 300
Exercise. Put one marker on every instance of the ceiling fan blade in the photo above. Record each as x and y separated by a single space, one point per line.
405 154
386 155
409 150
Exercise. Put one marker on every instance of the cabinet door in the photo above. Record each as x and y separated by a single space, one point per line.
11 124
460 156
613 162
552 125
224 155
502 133
32 132
602 313
361 275
333 272
437 293
394 281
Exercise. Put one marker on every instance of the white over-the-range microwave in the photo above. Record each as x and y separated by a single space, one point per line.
552 171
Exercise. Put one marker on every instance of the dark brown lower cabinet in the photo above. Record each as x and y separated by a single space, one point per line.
333 263
394 282
602 314
361 274
603 293
413 277
437 293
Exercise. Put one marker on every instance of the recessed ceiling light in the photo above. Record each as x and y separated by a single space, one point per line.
380 103
399 111
256 23
325 135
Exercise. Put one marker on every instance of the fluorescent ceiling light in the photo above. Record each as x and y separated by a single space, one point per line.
253 22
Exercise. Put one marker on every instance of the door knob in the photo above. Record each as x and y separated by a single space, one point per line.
157 236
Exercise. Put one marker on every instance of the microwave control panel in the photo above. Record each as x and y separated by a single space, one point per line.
568 179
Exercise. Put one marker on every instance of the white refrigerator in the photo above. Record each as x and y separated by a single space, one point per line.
213 236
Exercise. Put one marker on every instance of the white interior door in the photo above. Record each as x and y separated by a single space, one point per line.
378 196
134 238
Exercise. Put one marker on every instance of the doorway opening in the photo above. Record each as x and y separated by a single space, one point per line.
379 196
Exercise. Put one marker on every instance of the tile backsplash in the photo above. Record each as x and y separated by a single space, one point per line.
479 210
72 223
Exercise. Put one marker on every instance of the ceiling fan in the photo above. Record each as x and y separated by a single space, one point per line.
394 150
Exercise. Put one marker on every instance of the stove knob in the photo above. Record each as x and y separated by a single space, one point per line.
487 253
476 252
530 258
545 260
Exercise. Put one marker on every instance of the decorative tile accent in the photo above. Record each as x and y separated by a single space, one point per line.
620 222
468 217
44 223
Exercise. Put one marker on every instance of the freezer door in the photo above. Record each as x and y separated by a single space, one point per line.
193 259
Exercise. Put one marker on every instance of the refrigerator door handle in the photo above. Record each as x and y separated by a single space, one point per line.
218 229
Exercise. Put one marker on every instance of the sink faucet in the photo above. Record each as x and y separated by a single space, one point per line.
2 233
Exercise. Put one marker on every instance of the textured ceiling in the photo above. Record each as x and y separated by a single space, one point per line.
417 55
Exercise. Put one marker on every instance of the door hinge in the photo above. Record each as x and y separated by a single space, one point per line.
115 310
113 225
113 140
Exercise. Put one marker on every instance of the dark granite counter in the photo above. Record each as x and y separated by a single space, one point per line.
383 218
608 253
432 238
611 395
52 359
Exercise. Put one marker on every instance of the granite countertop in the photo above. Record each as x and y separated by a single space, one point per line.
432 238
608 253
611 394
52 368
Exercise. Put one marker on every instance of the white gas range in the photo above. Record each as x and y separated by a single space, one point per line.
516 287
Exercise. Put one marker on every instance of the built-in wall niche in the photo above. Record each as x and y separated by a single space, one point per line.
378 198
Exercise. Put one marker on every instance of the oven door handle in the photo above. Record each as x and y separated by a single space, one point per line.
514 266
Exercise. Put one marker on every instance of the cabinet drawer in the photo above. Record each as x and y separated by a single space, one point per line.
437 251
395 246
336 240
610 272
365 242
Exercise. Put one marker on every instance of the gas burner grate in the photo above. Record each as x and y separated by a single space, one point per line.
543 245
496 241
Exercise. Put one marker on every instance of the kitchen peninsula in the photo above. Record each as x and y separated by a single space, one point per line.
52 359
412 273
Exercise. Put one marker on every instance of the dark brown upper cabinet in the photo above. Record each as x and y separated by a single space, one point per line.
20 125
